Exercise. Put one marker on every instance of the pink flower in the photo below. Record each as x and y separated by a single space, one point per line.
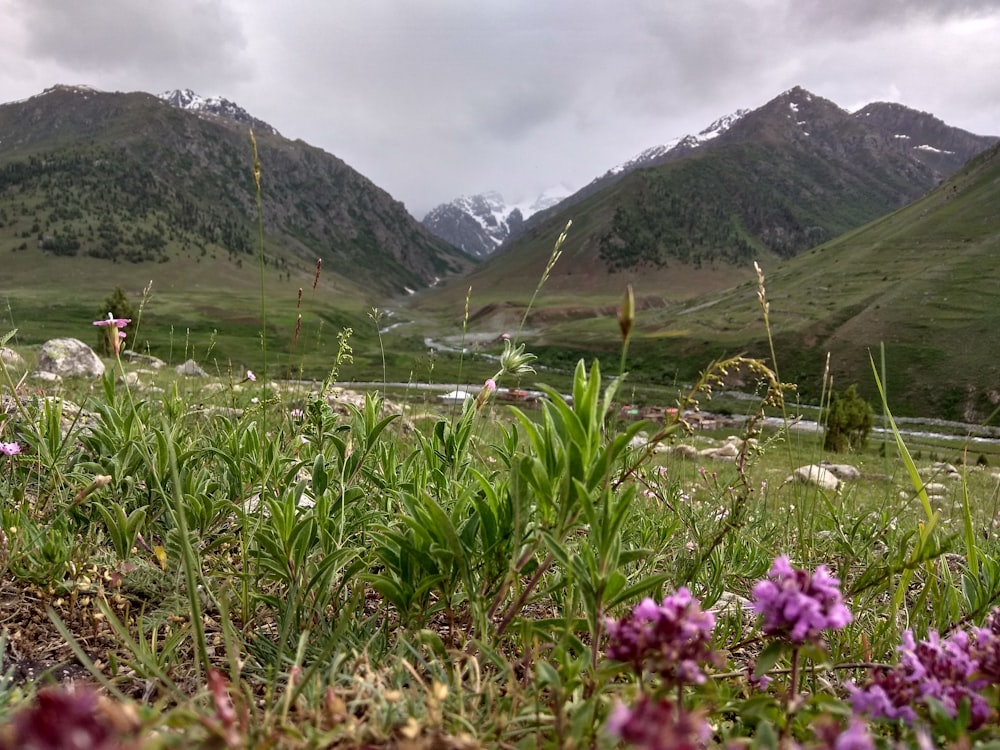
798 604
115 334
251 377
10 449
490 385
673 639
113 321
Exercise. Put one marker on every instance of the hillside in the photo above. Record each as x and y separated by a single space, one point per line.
772 182
922 280
127 177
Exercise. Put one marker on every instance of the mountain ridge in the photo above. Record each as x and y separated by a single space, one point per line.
182 178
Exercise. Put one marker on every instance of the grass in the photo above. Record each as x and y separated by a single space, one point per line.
272 563
413 576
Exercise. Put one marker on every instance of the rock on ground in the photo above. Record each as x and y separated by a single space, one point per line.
69 358
11 358
191 369
817 475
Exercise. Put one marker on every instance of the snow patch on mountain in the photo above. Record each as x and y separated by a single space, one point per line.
215 106
479 224
678 146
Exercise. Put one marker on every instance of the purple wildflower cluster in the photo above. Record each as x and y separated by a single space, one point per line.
948 670
10 449
799 605
658 725
60 719
672 639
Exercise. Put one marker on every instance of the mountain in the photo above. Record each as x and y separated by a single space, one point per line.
477 224
770 183
132 177
480 224
923 281
216 106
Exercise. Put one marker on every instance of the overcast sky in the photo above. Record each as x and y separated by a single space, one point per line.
432 99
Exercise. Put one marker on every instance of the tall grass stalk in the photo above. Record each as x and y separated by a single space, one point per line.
553 259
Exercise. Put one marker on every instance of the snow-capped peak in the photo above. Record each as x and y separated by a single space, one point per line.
682 144
479 224
214 106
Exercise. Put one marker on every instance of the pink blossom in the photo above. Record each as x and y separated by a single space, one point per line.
797 604
251 377
10 449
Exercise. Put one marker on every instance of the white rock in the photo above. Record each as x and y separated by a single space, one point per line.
191 369
817 475
69 358
843 472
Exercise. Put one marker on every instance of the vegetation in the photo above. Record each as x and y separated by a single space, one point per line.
251 563
263 565
849 421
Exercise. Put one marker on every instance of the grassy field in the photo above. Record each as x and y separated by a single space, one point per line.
239 563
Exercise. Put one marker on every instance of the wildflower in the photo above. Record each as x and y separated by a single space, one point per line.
672 639
514 360
944 670
251 377
115 334
10 449
833 737
59 719
659 725
255 400
296 413
757 683
626 314
797 605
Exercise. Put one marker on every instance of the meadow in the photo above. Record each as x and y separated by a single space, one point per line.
245 562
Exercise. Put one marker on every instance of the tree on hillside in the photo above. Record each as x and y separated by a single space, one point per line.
117 303
848 422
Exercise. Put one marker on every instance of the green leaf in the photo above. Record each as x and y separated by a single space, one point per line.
768 658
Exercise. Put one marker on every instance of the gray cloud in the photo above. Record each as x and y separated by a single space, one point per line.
437 98
137 41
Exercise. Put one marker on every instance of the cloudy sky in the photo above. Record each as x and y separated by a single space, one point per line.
432 99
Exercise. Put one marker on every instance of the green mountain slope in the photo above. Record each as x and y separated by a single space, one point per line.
923 280
126 177
785 177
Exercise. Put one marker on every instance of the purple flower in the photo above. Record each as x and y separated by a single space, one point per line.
10 449
833 737
296 413
944 670
672 639
251 377
797 604
855 737
60 719
658 725
986 647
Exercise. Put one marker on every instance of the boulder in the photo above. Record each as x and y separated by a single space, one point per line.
817 475
191 369
843 472
69 358
144 359
11 358
686 452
